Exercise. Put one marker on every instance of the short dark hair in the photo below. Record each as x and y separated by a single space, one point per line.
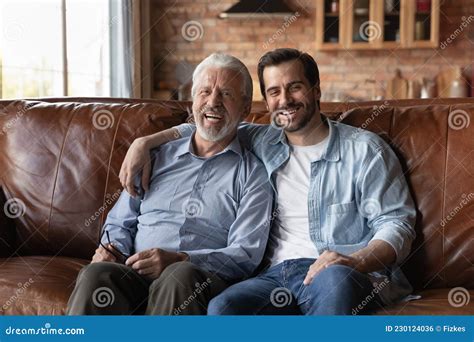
279 56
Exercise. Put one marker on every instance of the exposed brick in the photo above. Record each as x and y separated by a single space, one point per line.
342 71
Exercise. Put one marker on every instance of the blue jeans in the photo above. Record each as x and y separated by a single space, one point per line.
336 290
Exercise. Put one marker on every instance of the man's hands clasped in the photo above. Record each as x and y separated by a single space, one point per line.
149 263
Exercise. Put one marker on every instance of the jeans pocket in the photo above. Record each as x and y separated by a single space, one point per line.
302 296
299 274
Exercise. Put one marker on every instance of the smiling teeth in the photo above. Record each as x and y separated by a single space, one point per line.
282 112
288 112
213 115
213 118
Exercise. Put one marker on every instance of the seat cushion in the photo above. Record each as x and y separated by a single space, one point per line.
37 285
435 302
41 285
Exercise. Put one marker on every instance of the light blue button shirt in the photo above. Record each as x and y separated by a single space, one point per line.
214 209
357 194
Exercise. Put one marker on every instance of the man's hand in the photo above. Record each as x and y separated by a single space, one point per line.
377 255
327 259
101 254
151 262
136 159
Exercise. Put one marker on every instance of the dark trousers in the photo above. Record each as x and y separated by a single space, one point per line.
107 288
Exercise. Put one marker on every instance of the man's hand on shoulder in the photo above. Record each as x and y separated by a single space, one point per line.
151 262
136 159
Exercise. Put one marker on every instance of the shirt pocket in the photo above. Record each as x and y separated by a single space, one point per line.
160 197
221 208
182 204
344 224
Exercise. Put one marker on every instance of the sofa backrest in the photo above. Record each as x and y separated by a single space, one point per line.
60 162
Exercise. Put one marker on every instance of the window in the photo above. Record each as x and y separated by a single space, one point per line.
54 48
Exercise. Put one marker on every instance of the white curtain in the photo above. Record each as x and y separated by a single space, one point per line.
122 56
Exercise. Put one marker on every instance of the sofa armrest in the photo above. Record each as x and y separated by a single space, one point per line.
7 229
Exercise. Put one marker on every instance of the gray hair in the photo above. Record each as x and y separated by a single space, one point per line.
221 60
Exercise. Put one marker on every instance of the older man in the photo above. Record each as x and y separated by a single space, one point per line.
203 223
345 216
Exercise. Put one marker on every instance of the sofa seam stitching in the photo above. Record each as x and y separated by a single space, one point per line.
74 110
111 151
443 207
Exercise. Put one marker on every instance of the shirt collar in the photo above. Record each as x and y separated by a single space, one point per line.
185 146
331 152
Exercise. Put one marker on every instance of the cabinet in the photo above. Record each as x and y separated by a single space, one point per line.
376 24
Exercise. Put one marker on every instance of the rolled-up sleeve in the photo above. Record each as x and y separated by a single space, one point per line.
247 236
386 202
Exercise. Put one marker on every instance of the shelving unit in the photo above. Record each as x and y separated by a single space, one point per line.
377 24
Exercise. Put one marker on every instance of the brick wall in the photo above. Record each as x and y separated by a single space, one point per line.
341 71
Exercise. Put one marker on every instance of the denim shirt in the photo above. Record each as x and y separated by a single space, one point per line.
357 194
214 209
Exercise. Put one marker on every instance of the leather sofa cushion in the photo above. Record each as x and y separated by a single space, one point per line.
432 302
37 285
54 279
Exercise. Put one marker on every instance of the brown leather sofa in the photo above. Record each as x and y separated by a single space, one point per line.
60 159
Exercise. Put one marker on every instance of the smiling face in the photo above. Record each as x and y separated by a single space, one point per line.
219 104
289 95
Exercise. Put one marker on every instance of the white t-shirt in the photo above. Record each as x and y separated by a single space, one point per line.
289 237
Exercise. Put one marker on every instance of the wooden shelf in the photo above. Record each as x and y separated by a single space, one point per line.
397 25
